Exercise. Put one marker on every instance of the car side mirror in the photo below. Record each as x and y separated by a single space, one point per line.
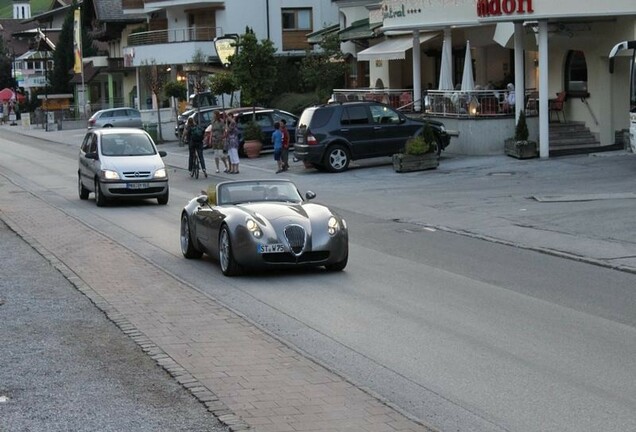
310 195
162 153
92 155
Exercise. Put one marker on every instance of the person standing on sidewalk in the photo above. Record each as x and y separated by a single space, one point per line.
216 140
284 155
232 142
277 141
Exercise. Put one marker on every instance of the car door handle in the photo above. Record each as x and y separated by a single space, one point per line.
377 127
344 130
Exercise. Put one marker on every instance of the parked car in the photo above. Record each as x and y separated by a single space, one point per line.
118 163
205 115
258 224
330 136
265 117
115 117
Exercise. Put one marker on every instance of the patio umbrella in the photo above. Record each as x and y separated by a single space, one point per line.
446 69
6 95
468 82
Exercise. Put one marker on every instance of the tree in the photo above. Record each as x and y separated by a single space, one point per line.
64 57
324 69
6 57
155 76
254 68
223 83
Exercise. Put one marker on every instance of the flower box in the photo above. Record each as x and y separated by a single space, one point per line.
406 163
521 149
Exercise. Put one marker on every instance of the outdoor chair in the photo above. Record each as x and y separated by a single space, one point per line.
557 106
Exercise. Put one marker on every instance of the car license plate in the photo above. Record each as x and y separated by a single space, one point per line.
270 248
137 185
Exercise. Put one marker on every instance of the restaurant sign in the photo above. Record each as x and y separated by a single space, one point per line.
489 8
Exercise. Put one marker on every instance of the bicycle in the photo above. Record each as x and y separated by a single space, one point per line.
194 172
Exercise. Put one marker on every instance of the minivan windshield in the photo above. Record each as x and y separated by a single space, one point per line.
126 145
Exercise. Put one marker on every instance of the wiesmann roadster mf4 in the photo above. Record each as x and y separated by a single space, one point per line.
259 224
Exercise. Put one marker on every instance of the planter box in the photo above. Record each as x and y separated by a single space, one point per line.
521 149
407 163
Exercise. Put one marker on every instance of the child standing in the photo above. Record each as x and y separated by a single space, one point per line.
277 141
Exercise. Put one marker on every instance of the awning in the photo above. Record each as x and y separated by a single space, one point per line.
392 49
505 32
360 29
318 36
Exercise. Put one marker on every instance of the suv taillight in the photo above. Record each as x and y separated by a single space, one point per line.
91 122
311 140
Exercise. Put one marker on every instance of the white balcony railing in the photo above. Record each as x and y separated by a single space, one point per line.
189 34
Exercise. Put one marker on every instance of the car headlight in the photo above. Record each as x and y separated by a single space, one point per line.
333 226
253 227
442 129
161 173
110 175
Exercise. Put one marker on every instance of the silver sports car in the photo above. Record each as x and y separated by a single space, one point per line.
257 224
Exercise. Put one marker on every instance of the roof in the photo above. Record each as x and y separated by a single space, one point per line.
7 28
318 36
112 11
360 29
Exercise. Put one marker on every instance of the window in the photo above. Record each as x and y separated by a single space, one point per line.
355 115
297 19
576 74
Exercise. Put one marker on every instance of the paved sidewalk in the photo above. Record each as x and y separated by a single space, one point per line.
246 377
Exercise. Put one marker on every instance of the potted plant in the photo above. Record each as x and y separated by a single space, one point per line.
420 153
253 139
520 146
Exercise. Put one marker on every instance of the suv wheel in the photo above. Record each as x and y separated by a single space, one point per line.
337 158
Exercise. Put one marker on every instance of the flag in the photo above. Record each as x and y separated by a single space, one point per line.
77 41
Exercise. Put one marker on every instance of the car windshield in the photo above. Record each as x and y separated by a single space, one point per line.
257 191
126 145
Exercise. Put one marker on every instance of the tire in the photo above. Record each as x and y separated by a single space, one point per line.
82 191
185 236
100 199
108 126
339 266
229 266
337 158
163 199
439 146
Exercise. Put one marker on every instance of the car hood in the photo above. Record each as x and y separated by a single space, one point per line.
132 163
285 212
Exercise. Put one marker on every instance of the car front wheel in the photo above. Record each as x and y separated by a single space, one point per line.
100 199
337 158
229 266
83 192
185 236
163 199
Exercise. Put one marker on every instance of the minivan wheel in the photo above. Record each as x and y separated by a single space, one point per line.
100 199
337 158
83 192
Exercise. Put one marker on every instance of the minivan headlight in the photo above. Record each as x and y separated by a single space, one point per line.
110 175
161 173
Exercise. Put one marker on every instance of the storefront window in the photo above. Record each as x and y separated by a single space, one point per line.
576 74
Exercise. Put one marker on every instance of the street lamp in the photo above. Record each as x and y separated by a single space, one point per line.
15 88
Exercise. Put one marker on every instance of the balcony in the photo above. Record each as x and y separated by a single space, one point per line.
170 46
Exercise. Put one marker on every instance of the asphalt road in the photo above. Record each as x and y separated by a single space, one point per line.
463 333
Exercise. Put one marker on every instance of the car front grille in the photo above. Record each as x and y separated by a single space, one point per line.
295 235
287 258
136 174
125 191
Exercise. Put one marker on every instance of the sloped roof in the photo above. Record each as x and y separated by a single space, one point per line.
112 11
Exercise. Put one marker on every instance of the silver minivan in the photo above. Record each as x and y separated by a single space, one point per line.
121 163
115 117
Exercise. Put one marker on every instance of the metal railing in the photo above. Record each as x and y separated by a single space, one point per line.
189 34
446 103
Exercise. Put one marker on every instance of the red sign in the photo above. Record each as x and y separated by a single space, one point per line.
486 8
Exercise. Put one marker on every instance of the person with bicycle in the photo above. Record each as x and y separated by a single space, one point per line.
194 137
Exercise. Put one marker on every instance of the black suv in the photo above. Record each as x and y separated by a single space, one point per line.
330 136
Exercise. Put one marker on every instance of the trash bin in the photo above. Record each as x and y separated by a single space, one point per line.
151 128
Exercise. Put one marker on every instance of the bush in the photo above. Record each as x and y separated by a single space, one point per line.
521 131
252 132
294 103
417 146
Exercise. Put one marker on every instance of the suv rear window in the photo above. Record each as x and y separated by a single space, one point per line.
315 117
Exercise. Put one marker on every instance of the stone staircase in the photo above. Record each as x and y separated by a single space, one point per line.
575 138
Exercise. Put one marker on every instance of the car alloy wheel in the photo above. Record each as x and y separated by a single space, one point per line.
187 248
337 158
229 267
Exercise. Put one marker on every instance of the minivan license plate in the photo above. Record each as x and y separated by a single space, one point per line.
137 185
270 248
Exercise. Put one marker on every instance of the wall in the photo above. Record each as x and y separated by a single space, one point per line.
480 137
